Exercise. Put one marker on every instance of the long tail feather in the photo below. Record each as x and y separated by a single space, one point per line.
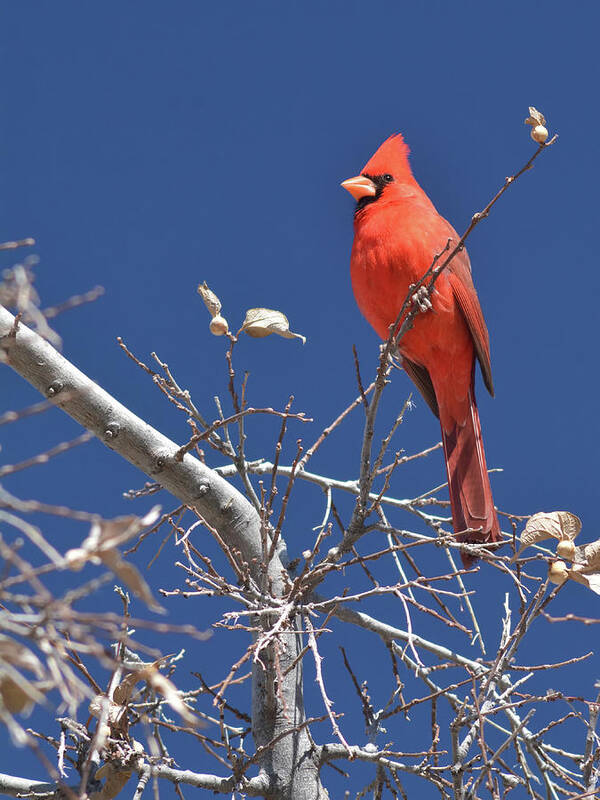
469 484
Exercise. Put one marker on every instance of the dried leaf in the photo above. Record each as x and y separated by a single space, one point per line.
557 524
168 690
124 690
17 697
101 544
108 533
114 532
18 655
150 673
115 780
592 581
547 525
535 117
591 555
211 301
261 322
585 571
18 692
131 576
570 524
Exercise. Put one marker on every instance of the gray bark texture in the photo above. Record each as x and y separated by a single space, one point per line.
291 764
17 787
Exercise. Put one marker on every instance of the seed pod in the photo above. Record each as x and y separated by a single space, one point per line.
566 549
218 325
539 134
558 572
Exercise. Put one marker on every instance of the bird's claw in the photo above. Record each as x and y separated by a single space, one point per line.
421 299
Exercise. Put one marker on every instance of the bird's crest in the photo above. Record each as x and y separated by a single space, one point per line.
392 157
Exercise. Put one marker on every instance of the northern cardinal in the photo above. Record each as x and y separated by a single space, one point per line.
397 233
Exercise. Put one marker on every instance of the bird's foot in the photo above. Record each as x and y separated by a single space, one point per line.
393 357
393 351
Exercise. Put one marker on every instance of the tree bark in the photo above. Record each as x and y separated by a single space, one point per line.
291 765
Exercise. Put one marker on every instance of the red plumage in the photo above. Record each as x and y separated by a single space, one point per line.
397 233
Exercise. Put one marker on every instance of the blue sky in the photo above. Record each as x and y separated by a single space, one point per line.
149 146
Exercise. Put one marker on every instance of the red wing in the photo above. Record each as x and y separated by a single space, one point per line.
422 380
459 275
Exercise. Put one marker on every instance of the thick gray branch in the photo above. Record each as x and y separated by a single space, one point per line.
14 787
221 505
290 764
255 787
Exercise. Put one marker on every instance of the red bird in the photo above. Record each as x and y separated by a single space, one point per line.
397 233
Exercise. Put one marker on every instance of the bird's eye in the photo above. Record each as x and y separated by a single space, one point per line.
388 178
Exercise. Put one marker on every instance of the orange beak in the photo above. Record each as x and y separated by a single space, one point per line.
360 187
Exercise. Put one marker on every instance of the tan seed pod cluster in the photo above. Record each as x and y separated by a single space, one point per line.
561 525
579 564
539 132
218 325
